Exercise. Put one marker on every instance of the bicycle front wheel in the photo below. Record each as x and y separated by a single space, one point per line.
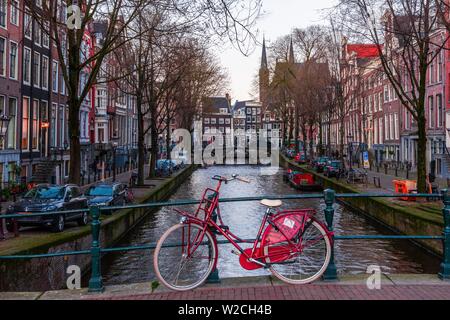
301 262
184 256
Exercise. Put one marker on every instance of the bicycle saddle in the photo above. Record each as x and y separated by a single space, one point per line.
271 203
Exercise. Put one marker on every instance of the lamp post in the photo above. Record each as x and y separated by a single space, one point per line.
4 123
114 145
350 149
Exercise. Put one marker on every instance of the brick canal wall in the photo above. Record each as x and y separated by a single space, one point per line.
400 218
50 273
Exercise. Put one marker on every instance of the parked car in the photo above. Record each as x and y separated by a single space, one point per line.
107 194
333 168
300 157
48 198
320 163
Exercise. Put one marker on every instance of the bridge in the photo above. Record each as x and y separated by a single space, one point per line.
332 286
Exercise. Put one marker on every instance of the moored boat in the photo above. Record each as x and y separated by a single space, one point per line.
304 182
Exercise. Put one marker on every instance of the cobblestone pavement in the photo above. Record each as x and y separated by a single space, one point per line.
303 292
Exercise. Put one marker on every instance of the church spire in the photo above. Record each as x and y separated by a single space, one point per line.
264 55
291 58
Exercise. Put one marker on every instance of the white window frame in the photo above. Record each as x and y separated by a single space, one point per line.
5 53
29 24
38 75
44 75
26 49
14 13
16 73
5 2
55 76
37 37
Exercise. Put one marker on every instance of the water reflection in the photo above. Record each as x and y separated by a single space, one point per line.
243 218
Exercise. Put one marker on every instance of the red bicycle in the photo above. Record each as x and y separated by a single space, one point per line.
293 244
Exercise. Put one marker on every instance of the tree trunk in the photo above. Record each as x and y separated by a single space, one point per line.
422 155
141 147
74 136
154 149
168 139
341 140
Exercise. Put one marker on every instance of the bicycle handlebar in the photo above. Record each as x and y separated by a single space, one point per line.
234 177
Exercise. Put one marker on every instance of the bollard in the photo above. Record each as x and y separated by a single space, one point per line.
329 195
95 282
444 273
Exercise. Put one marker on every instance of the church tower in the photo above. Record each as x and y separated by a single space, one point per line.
263 76
291 58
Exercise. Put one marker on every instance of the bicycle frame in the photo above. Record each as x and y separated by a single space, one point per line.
254 255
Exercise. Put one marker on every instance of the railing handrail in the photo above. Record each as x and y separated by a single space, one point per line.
183 202
329 196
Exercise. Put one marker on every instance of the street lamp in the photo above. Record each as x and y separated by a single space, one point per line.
350 149
114 145
64 148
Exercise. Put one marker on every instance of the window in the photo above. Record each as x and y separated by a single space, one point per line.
27 24
440 115
37 33
13 60
249 111
45 72
45 35
206 121
386 127
37 69
213 120
53 126
431 119
221 120
227 121
380 131
391 126
14 12
63 84
396 124
3 13
61 125
25 122
2 57
55 76
439 71
35 125
27 66
44 111
12 113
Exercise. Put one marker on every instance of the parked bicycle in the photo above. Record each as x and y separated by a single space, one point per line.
293 244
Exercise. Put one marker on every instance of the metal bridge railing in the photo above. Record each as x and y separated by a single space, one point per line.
329 197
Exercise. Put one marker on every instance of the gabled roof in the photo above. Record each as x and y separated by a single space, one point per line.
214 104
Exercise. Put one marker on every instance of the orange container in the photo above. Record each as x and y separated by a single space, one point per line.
405 187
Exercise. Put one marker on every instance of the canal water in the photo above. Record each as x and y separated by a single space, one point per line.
243 218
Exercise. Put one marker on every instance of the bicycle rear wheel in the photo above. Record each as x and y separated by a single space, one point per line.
183 258
300 262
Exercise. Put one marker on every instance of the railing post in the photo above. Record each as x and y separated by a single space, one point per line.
329 195
214 275
95 283
444 273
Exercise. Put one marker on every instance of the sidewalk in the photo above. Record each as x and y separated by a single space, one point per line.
123 178
349 287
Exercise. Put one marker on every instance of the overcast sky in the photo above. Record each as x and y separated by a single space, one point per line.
279 18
